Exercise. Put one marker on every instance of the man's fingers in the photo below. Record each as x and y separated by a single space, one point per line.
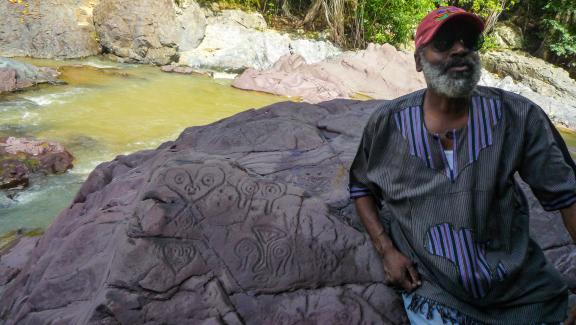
414 276
405 281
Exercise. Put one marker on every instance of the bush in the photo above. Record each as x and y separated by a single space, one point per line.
392 21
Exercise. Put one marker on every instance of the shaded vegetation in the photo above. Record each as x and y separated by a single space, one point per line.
550 29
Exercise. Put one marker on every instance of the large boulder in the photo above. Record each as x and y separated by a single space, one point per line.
235 40
380 71
151 31
47 29
15 75
138 31
191 25
246 220
540 76
561 110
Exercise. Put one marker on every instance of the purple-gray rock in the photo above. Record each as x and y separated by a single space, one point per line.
246 220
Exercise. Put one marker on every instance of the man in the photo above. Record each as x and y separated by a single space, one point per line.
433 183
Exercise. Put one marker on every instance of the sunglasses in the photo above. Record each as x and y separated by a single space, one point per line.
445 41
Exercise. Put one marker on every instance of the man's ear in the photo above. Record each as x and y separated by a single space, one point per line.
417 59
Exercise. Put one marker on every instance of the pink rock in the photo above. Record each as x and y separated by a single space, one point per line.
380 72
7 80
14 145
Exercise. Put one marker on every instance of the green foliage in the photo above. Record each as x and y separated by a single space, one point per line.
246 5
560 27
484 8
563 40
392 21
490 43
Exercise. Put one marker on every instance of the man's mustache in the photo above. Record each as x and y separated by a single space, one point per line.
459 61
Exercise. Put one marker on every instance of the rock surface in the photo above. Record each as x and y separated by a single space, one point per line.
234 222
15 75
47 29
561 110
13 258
191 25
21 157
138 31
536 73
380 71
508 36
235 41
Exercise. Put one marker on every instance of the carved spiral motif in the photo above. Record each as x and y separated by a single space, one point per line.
245 247
208 179
343 317
248 187
210 176
272 189
178 177
280 250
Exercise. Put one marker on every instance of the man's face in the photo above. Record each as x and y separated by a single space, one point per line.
450 62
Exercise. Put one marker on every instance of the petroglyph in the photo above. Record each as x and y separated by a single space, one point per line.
175 253
182 198
190 187
266 255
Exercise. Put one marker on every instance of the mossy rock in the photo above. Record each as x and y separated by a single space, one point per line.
9 239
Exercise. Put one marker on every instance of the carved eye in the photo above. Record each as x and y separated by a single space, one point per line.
248 187
280 250
343 317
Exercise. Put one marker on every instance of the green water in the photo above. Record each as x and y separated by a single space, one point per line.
106 109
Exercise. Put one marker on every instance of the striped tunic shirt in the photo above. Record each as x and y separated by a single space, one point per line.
466 227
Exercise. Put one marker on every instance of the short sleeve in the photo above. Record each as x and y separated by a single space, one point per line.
547 165
360 185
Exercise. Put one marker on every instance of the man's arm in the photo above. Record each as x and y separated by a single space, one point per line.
399 269
569 217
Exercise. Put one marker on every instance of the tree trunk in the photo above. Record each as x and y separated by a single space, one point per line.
312 12
287 10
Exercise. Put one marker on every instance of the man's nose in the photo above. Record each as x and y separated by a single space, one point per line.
458 48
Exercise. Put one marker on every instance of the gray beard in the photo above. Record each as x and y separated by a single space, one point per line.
453 86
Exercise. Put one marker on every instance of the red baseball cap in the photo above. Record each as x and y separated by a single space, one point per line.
435 19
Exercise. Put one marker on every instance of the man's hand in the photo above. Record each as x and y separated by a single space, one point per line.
571 317
400 271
